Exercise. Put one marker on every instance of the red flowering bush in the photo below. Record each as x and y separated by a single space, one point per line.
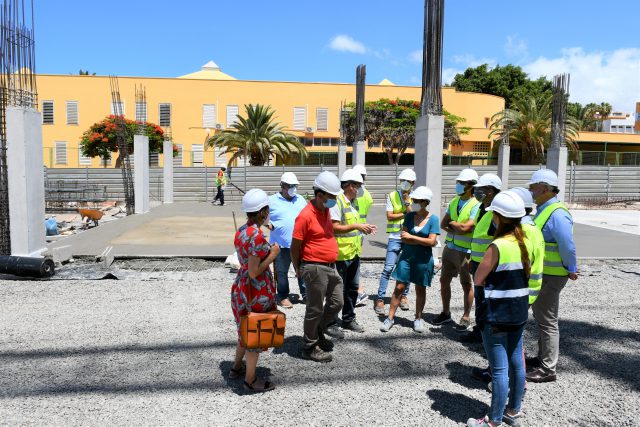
100 139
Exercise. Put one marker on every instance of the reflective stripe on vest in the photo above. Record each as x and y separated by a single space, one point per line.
481 239
552 261
349 244
462 240
397 203
537 261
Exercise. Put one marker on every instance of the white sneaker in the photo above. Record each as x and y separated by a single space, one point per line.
418 326
386 326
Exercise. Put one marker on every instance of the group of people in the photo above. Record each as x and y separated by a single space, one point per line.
507 261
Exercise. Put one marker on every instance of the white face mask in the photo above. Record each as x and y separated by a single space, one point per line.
415 207
292 191
405 186
360 192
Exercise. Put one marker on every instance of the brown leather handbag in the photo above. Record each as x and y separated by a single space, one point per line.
262 330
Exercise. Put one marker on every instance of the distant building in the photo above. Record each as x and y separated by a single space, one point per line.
618 122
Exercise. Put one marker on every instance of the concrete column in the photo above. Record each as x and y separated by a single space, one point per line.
557 161
428 157
503 164
26 181
141 173
358 154
167 177
342 159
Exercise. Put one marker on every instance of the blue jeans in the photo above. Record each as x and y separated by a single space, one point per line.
504 351
283 262
394 247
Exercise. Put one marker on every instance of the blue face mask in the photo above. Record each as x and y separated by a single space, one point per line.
330 203
494 224
459 189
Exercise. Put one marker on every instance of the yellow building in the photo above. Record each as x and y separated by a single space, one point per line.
198 104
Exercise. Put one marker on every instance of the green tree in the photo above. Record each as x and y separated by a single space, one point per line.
85 73
509 82
590 116
529 128
391 125
259 136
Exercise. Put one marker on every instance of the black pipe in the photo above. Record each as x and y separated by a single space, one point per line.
26 267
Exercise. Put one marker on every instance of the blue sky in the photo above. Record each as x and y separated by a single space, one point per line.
599 44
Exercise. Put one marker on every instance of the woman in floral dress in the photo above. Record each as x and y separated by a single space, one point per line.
255 255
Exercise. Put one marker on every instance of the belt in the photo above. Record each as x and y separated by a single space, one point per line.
326 264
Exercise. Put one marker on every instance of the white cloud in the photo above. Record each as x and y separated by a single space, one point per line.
612 77
448 74
471 61
516 47
344 43
416 56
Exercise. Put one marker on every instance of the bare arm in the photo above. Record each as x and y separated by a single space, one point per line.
296 247
343 229
430 241
462 228
444 224
395 216
257 266
488 263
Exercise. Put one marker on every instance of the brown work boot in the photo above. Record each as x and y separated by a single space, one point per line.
379 307
285 303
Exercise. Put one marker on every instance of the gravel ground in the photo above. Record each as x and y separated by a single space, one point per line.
155 349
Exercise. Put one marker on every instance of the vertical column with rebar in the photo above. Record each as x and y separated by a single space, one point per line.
557 155
358 152
123 146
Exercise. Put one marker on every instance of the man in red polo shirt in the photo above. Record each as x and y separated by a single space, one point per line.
314 252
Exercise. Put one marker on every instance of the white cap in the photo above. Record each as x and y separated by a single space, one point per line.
289 178
254 200
327 182
467 175
490 180
525 195
407 175
508 204
422 193
360 169
546 176
351 175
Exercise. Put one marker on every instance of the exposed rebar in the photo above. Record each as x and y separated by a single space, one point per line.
431 100
361 73
559 111
123 146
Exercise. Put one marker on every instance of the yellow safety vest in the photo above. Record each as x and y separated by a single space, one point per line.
363 204
397 203
537 261
481 239
349 244
462 240
552 261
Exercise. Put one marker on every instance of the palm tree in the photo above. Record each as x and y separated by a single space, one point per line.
529 127
259 136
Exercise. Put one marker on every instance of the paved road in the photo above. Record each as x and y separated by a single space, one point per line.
201 230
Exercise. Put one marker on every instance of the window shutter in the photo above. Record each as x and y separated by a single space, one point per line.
72 112
61 153
154 159
209 116
83 160
117 108
177 160
165 115
232 115
322 119
197 151
141 111
299 118
47 112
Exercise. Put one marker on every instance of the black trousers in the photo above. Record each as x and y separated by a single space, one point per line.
349 272
220 195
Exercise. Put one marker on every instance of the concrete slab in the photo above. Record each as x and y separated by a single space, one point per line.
202 230
624 220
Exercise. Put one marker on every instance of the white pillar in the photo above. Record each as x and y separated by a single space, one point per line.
557 162
504 152
26 181
428 157
141 173
358 154
342 159
167 149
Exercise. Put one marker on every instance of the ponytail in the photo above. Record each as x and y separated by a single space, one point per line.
512 226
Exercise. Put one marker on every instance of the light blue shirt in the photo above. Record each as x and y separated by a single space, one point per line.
283 214
474 213
559 229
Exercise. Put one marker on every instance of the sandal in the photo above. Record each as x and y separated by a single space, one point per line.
256 387
235 373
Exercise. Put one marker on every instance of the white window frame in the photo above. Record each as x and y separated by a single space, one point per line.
197 162
160 105
52 103
232 117
60 144
299 118
69 105
209 116
320 128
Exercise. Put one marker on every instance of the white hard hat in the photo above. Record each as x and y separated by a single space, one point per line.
525 195
360 169
407 175
289 178
351 175
508 204
254 200
490 180
328 182
546 176
422 193
467 175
